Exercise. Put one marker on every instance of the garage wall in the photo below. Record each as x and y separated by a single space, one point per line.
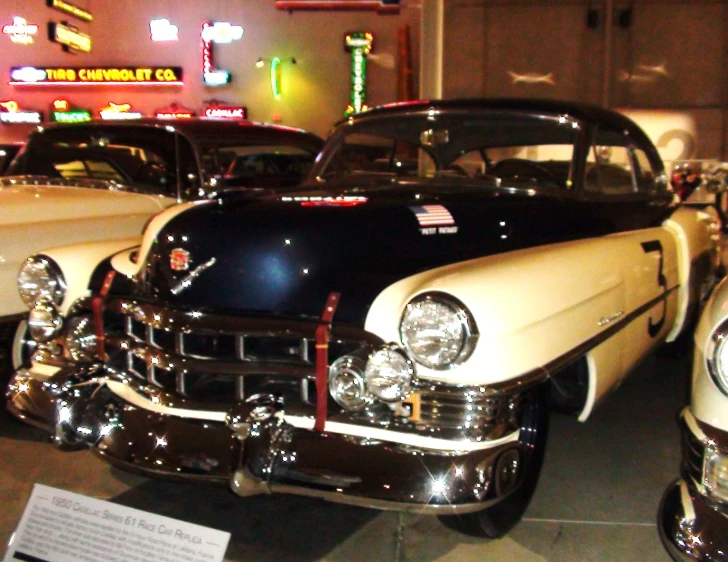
664 55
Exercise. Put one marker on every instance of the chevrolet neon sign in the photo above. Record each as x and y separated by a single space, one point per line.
96 75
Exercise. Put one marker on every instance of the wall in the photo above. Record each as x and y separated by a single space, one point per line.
316 89
655 54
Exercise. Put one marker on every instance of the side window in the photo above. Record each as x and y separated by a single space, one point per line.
609 168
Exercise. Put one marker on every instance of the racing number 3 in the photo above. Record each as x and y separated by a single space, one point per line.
654 328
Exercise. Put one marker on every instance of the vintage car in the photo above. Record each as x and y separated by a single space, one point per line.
395 332
693 515
102 181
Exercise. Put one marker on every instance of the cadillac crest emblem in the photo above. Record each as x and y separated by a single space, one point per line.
179 259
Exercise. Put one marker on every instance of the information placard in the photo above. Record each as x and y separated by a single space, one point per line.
60 526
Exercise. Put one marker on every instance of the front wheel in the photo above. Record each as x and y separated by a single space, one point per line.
497 520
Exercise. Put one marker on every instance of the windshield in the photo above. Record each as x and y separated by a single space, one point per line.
477 145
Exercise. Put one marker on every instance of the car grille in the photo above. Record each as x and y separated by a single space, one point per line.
220 360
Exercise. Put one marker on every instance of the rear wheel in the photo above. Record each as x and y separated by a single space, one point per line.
496 521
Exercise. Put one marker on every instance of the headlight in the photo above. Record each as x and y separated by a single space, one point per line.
44 322
438 331
389 373
80 341
40 281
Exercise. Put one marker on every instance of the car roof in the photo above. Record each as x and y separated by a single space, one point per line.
577 110
204 129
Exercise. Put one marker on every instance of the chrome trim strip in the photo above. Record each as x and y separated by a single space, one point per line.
562 361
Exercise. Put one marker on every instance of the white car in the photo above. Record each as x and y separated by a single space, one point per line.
103 181
693 516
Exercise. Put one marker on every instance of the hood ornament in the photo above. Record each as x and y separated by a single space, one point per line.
179 259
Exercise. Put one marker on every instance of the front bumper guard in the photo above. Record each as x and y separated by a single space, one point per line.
690 528
256 451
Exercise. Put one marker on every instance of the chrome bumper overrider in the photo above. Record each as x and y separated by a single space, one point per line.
256 449
692 525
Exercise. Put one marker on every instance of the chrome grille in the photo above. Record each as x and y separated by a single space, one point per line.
224 359
472 411
692 458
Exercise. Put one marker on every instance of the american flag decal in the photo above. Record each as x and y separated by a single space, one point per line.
433 215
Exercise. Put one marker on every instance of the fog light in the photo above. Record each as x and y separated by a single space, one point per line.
347 385
389 373
44 322
80 339
715 474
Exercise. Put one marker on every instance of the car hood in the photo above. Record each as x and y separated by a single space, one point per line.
285 253
39 203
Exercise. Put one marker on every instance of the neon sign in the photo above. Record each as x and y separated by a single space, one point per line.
163 30
219 32
21 32
275 77
174 111
96 75
119 111
63 112
381 6
226 111
11 114
69 37
360 44
70 9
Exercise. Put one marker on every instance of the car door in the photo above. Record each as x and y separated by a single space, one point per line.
624 191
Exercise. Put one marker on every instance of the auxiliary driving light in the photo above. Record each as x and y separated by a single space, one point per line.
44 322
389 373
347 384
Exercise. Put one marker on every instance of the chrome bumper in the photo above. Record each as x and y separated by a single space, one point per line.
255 450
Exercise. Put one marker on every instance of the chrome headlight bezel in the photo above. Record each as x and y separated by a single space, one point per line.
716 356
44 322
462 320
40 280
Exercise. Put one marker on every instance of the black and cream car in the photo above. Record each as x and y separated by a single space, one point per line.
395 332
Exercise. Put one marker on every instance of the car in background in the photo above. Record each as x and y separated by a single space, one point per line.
104 180
7 153
693 514
394 332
